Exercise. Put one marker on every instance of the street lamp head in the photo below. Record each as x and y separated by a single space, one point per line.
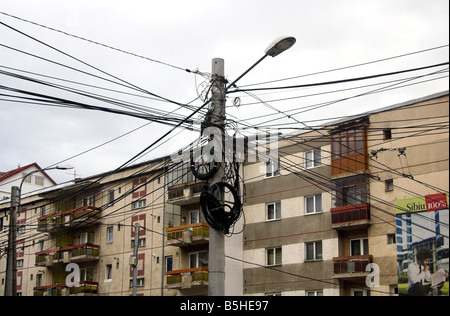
280 45
64 167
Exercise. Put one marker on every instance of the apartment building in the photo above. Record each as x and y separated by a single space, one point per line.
322 221
88 226
288 238
327 218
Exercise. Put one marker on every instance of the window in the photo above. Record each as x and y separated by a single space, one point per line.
169 263
359 292
273 294
351 190
359 247
272 168
273 211
21 229
313 204
108 272
196 217
138 204
141 242
349 151
387 134
314 293
42 211
179 174
87 238
389 185
40 245
38 280
313 251
87 274
109 234
313 158
110 197
39 181
198 259
19 263
274 256
348 143
391 239
139 282
87 201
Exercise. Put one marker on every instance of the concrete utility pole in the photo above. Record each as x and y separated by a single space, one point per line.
134 262
11 264
216 264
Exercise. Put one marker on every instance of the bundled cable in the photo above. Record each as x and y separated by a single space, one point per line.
221 213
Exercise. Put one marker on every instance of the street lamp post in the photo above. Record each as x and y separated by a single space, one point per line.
11 263
216 260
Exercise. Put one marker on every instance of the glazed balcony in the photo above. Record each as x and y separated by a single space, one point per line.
351 266
185 194
86 215
187 278
85 288
71 254
350 217
188 235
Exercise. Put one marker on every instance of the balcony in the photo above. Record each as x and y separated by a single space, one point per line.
85 288
187 278
188 235
185 194
86 215
72 254
350 217
351 267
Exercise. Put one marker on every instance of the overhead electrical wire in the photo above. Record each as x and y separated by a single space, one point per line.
281 113
340 81
349 67
99 44
124 82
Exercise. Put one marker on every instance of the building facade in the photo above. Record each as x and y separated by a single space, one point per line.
320 220
323 221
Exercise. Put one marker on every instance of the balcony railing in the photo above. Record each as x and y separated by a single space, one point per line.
86 215
84 288
185 194
78 253
187 278
350 216
188 235
352 266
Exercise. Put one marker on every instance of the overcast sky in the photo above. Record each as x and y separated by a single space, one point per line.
175 35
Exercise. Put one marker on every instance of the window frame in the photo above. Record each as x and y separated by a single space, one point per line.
315 203
272 169
277 253
316 256
109 234
363 250
352 190
315 161
276 211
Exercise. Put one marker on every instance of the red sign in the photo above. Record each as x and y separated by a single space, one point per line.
436 202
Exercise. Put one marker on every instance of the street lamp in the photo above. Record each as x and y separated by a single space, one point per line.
278 46
216 258
11 264
58 167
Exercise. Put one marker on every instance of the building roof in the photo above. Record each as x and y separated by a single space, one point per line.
9 174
